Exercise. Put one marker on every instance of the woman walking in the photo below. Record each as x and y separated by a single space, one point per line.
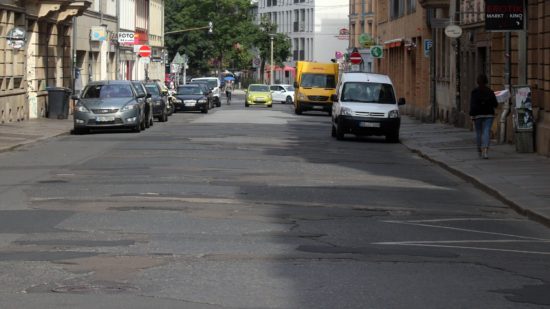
482 110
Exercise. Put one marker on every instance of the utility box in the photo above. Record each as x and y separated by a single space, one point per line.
524 123
58 102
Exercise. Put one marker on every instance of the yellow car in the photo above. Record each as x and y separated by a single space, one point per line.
258 94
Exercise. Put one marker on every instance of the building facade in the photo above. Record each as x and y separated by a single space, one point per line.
509 59
362 30
43 59
318 29
401 28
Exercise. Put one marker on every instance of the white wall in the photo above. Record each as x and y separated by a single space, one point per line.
128 14
330 17
109 7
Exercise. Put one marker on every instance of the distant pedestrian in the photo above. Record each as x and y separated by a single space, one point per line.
482 111
228 90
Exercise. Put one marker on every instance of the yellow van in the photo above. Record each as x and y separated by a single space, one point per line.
315 84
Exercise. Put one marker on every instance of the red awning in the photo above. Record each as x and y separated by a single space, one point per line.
286 68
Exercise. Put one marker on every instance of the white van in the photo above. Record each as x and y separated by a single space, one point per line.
215 84
365 104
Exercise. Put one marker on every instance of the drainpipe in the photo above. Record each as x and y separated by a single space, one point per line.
117 56
73 52
508 85
458 68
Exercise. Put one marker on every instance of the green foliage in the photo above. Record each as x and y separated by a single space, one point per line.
232 24
233 27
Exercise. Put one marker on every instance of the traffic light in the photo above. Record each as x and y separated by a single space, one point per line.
210 26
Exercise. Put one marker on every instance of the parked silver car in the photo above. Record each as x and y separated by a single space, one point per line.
110 104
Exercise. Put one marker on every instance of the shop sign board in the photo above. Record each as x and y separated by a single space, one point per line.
126 38
504 15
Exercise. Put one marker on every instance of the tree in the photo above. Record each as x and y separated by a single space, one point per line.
232 24
281 45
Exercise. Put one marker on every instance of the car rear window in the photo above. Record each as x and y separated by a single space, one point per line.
153 89
189 90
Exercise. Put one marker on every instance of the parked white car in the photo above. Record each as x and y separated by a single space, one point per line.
214 84
365 104
282 93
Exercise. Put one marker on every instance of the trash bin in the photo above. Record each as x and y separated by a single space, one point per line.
58 102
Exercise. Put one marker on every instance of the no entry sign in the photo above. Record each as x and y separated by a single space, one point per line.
144 51
355 58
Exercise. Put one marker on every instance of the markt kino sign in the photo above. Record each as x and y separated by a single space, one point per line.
504 15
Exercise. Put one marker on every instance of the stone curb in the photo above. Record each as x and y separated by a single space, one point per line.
518 207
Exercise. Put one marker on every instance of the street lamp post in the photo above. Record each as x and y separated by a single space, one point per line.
271 65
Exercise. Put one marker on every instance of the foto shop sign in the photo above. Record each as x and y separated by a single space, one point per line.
504 15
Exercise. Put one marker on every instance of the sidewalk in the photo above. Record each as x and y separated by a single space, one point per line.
520 180
16 134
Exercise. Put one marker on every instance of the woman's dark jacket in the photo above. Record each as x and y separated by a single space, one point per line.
483 102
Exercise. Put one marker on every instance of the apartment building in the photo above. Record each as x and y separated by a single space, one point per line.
362 30
39 59
107 37
318 29
510 58
402 30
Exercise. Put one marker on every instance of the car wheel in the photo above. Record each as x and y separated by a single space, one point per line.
142 124
165 116
393 137
137 128
340 132
288 100
162 117
333 132
205 110
246 105
147 123
80 131
270 106
298 110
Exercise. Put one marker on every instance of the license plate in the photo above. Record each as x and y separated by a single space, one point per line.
259 100
104 119
369 124
317 107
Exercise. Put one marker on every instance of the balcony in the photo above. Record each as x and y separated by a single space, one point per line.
434 4
60 10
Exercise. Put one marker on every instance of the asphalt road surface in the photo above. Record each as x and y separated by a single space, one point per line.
255 208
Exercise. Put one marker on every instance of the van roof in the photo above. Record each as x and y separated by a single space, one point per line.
365 77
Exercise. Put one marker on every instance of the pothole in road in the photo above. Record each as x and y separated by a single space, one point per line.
53 181
94 289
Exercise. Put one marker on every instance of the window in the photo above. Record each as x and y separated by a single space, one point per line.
397 8
368 93
411 6
318 81
107 91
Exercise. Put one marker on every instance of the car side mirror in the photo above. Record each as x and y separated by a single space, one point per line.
334 98
296 85
75 97
401 101
148 95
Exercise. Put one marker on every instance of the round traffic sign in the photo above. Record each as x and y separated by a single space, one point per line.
355 58
376 51
144 51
